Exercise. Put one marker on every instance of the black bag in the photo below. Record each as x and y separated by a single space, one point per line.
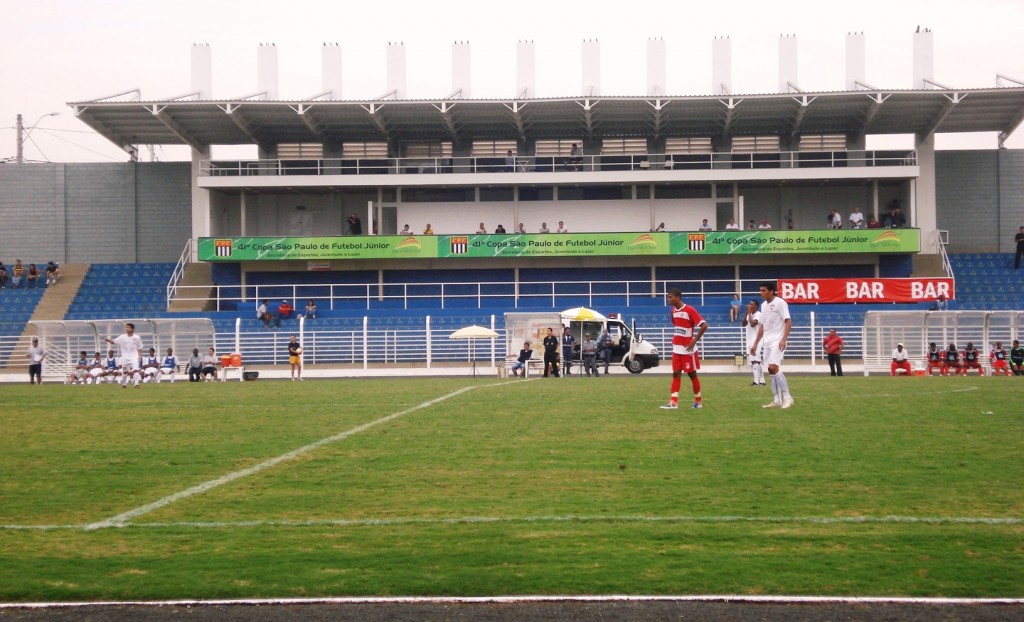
250 375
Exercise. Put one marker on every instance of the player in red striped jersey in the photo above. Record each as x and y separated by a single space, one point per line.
685 320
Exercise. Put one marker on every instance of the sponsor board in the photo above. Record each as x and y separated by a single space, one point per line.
809 291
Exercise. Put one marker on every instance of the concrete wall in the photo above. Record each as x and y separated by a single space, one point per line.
980 199
86 213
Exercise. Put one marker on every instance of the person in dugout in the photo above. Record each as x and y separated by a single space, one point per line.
936 361
972 360
951 361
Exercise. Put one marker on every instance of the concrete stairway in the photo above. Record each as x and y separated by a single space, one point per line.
195 290
52 306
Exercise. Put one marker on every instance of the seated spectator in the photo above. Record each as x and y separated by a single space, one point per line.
940 304
873 223
510 162
898 219
17 274
856 219
575 157
209 366
499 229
405 231
835 220
521 229
732 226
704 226
284 311
3 276
263 314
33 276
482 230
310 311
544 228
169 366
900 362
750 225
52 272
428 230
195 366
764 224
734 308
561 227
524 357
80 373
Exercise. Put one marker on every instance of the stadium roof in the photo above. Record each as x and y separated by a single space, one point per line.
255 121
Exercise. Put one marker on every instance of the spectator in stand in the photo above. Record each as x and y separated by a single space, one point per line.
999 358
510 162
520 229
209 365
732 226
856 219
1016 358
52 273
500 229
3 276
355 225
17 274
195 366
900 361
33 276
895 218
972 360
789 219
481 230
405 230
704 226
575 157
833 345
734 308
310 311
936 361
544 228
951 361
561 227
659 228
263 314
873 223
940 304
764 224
750 225
1019 241
284 311
835 220
428 230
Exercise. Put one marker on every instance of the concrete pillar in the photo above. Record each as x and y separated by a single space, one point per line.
924 58
787 63
526 70
461 75
331 70
921 213
202 70
396 69
200 200
656 67
855 64
591 67
266 69
721 66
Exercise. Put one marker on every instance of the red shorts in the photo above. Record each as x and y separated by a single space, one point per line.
685 363
997 364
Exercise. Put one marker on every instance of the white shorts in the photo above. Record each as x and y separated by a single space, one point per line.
129 364
95 372
773 355
166 370
149 371
757 356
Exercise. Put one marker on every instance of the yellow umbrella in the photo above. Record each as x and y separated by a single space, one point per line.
582 314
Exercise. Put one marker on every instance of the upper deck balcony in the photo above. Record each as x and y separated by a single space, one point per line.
635 168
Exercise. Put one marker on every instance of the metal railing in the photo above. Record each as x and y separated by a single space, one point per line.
179 271
558 163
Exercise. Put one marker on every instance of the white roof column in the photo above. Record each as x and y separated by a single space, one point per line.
855 64
461 75
202 70
396 70
656 67
787 63
721 66
526 70
266 70
924 59
331 71
591 67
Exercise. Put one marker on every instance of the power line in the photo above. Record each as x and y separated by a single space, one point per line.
46 131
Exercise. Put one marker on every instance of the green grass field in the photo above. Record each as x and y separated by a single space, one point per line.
867 486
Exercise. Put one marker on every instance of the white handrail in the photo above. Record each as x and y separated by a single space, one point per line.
179 271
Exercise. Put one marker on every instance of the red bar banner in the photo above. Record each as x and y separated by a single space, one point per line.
809 291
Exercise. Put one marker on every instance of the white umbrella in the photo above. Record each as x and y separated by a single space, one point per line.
582 314
472 333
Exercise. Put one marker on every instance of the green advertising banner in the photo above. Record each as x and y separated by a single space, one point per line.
761 242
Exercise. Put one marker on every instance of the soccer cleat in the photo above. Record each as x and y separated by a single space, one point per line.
697 405
753 384
772 405
787 402
670 406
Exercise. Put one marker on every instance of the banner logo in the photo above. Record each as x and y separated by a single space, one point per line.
696 242
460 244
222 248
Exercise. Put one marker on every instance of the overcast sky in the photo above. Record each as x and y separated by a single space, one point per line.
56 51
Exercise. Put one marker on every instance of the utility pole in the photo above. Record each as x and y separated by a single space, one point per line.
19 139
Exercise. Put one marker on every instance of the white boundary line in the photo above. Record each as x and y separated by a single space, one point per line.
476 520
725 598
122 519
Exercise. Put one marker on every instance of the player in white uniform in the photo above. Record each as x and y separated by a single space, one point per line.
775 325
129 345
752 322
